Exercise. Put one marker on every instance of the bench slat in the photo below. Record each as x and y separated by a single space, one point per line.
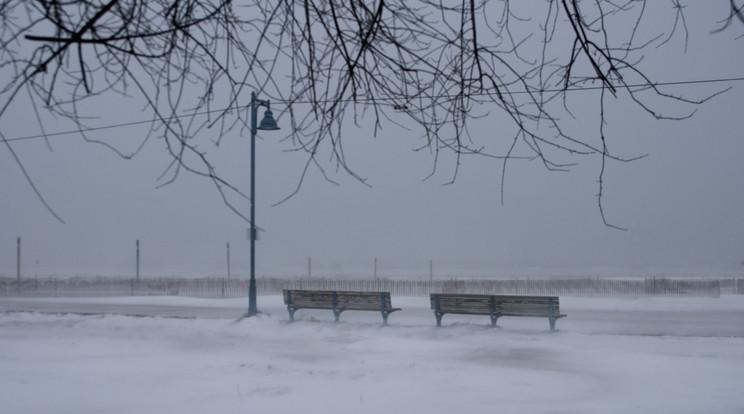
345 300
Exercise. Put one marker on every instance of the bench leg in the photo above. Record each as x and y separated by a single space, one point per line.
494 318
291 313
439 317
336 314
552 323
384 317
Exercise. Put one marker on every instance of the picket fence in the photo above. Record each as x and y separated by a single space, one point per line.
231 288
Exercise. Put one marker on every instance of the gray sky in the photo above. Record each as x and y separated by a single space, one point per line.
682 204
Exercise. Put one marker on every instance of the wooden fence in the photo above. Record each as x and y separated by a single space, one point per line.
230 288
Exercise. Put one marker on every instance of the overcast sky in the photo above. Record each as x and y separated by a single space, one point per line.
682 204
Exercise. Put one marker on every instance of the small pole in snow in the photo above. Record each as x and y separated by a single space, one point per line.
431 270
138 260
18 266
228 260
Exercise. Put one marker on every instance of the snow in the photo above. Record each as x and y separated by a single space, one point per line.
648 355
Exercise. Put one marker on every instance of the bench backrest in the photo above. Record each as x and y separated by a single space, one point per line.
503 305
328 299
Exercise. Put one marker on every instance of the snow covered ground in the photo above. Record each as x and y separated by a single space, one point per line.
645 355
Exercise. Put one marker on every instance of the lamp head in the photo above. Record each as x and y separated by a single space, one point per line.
268 123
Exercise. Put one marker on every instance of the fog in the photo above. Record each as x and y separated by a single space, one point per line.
681 205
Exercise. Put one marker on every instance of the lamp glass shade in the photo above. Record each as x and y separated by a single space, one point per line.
268 123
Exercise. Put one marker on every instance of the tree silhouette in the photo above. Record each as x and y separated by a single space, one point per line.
192 65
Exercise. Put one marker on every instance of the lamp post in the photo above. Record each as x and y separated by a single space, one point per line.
267 124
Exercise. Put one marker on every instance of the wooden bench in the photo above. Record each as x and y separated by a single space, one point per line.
338 301
496 306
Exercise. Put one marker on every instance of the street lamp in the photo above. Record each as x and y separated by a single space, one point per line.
267 124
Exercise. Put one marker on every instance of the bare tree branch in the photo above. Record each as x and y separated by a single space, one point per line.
332 63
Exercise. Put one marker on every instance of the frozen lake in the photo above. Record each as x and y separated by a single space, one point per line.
648 355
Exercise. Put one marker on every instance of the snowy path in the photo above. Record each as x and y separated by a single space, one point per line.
609 356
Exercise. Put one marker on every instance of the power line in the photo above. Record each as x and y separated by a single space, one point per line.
99 128
570 89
